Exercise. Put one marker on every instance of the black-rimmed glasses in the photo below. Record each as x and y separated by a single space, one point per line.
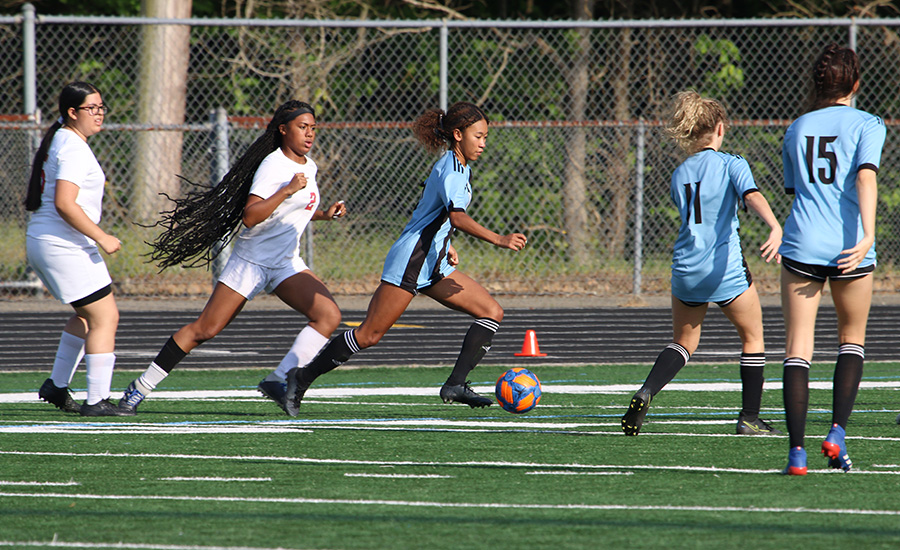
95 110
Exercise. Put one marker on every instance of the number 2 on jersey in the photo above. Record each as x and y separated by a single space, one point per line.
312 202
824 153
691 192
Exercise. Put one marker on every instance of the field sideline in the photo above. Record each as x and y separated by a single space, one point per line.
376 461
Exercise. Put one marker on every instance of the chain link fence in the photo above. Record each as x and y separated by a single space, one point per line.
575 158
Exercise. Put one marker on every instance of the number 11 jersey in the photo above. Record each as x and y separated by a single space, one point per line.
707 263
822 153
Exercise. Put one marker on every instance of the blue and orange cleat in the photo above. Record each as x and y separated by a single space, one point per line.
796 462
834 448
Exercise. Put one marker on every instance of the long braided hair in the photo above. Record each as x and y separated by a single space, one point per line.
212 215
834 74
71 97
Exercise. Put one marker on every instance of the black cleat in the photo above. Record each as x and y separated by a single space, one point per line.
276 391
637 410
755 427
294 392
104 407
131 398
463 394
61 398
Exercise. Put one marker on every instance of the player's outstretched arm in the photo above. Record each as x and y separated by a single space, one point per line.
769 249
333 212
464 222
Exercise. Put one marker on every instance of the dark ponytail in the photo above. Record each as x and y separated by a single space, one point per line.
72 96
834 74
212 215
434 128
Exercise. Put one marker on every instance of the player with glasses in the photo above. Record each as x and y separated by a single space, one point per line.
94 109
65 194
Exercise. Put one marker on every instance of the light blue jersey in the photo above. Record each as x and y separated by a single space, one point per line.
707 264
418 258
822 153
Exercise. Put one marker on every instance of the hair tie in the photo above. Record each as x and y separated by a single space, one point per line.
441 121
60 120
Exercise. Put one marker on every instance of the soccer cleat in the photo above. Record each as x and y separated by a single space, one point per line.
61 398
131 398
637 410
834 448
294 392
796 465
463 394
755 427
276 391
104 407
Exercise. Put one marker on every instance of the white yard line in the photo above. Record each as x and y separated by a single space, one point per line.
55 543
7 483
344 392
474 505
396 463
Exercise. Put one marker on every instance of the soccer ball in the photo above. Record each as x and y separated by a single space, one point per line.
518 390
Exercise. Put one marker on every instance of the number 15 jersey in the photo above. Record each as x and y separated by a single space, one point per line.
822 153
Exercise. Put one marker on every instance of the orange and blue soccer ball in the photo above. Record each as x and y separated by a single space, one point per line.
518 390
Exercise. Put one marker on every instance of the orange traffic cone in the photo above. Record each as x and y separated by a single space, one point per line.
530 346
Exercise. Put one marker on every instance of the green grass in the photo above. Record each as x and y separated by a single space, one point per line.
309 482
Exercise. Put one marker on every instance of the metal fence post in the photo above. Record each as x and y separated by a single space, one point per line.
443 65
29 101
851 40
29 77
638 209
29 63
221 164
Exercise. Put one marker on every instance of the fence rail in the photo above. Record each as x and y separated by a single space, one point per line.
575 158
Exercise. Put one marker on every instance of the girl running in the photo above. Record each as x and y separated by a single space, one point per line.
65 195
707 264
831 156
272 189
423 260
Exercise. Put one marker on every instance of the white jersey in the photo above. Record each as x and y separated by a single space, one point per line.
71 159
275 241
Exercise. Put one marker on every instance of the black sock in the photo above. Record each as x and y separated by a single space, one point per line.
170 355
475 345
847 374
667 365
333 355
796 398
752 365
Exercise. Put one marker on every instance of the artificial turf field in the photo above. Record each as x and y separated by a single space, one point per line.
375 460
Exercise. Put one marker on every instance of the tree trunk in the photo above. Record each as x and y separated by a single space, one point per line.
618 163
575 196
162 98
